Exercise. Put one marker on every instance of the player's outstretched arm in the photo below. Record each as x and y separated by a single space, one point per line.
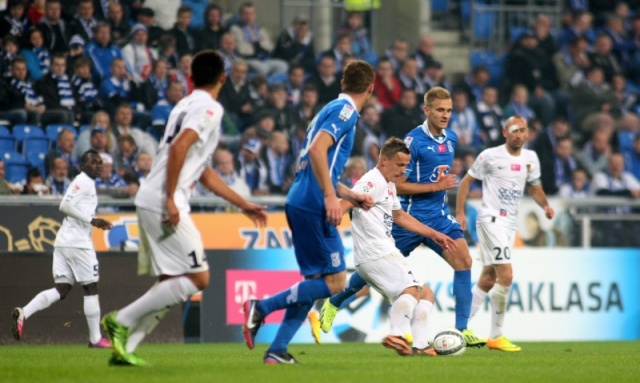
177 154
461 199
406 221
320 166
212 181
446 182
101 223
537 193
361 200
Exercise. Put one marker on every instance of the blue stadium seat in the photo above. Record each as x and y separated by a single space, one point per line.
35 144
277 78
516 31
16 167
36 160
484 23
53 130
439 6
20 132
7 143
4 131
495 64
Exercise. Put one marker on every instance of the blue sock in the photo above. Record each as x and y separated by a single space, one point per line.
293 318
462 292
356 283
301 294
348 301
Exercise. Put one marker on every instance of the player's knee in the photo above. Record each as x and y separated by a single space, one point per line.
90 289
427 294
63 289
506 280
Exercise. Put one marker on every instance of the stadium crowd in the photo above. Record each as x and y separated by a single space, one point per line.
80 74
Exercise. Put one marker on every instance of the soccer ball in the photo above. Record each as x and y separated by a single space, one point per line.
449 343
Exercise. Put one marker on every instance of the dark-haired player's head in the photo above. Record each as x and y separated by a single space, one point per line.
358 77
394 158
91 163
207 69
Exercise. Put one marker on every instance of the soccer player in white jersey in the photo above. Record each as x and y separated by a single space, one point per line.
170 244
378 260
505 171
74 258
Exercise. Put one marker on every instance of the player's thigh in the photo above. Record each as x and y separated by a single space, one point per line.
62 272
83 263
389 275
496 243
405 240
318 245
447 226
172 250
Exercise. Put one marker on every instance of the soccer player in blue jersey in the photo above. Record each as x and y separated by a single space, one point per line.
423 194
313 212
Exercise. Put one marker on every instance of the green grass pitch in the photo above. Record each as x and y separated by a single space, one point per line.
370 363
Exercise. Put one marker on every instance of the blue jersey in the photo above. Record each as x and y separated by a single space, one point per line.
338 118
431 158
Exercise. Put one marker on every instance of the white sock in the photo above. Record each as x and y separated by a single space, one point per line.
92 313
41 301
162 295
478 300
499 295
400 315
420 323
144 327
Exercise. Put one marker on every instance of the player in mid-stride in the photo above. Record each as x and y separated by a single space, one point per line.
170 244
504 171
313 211
74 258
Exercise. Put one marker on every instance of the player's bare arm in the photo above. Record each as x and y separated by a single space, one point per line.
212 181
101 223
446 182
536 192
406 221
461 199
363 201
177 154
319 164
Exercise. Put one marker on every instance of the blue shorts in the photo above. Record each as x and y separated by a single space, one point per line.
317 244
407 241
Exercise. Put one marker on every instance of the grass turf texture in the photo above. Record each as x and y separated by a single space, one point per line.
370 363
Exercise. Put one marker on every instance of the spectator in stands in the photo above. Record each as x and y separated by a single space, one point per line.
21 94
35 184
463 123
252 169
571 63
161 110
36 11
120 29
259 91
424 53
593 95
84 92
294 83
263 127
5 187
54 30
277 158
367 140
622 46
186 39
123 119
10 47
143 166
397 53
108 179
76 51
165 12
167 52
278 107
490 116
58 180
410 78
224 165
127 154
594 155
211 34
14 21
228 51
234 95
303 113
632 158
386 86
542 31
295 45
64 149
254 43
97 136
340 50
603 57
37 57
518 104
360 40
563 165
57 93
146 17
325 80
627 132
581 26
548 139
83 23
118 88
579 186
474 83
154 88
183 73
353 171
626 95
433 75
402 118
103 52
615 181
138 55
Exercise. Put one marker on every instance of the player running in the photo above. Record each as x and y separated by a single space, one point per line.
504 171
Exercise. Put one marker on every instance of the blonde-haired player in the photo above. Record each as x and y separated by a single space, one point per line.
505 172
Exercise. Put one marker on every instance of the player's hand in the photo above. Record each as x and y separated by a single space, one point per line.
446 182
101 223
334 211
445 242
364 201
255 213
548 211
462 220
173 215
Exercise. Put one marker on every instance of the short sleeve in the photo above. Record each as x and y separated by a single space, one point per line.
534 173
479 167
203 119
339 121
396 202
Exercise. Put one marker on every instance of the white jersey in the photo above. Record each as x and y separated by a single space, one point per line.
201 113
371 230
82 196
504 178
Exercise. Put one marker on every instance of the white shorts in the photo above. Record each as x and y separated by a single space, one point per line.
71 265
389 275
496 243
169 251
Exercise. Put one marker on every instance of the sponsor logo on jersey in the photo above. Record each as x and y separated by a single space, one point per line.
408 140
442 148
515 167
335 128
438 172
367 188
503 213
209 113
346 112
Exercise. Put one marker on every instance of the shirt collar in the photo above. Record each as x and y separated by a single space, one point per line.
344 96
439 139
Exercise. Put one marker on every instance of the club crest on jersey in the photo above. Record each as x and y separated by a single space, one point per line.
503 213
515 167
528 168
367 188
450 147
346 112
407 141
438 172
